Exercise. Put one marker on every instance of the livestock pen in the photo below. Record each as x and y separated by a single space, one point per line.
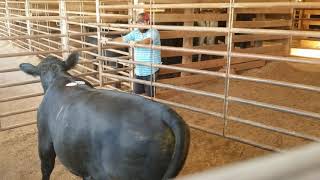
230 69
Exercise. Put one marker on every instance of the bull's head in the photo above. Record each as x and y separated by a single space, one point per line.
49 68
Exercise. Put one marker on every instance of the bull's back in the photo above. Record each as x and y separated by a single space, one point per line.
112 137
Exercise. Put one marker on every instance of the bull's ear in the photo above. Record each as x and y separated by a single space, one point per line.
71 61
29 69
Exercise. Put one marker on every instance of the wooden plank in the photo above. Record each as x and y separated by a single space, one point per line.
271 50
190 17
308 23
263 11
248 65
262 24
257 37
186 34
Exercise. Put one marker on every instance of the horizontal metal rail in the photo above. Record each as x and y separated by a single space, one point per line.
277 83
44 52
223 53
214 29
276 107
182 69
274 129
168 86
45 18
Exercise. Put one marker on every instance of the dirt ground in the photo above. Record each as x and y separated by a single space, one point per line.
18 148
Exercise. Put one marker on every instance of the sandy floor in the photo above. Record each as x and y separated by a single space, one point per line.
18 152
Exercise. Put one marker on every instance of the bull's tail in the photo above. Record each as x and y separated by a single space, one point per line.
182 139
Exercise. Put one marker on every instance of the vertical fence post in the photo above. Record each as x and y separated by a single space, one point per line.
64 27
227 79
27 13
7 16
98 20
131 13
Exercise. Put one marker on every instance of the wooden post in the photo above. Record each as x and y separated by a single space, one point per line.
64 27
187 43
27 13
259 17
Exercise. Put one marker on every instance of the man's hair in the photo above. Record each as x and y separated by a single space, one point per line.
145 16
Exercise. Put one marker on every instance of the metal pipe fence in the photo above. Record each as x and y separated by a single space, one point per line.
31 32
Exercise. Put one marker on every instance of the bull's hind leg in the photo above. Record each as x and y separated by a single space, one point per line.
47 156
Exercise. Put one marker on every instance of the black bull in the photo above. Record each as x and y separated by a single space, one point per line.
102 134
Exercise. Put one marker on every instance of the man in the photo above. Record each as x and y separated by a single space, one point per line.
144 36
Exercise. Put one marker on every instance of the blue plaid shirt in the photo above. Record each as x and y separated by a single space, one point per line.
145 54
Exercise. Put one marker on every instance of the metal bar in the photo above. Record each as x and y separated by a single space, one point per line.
190 70
276 107
274 129
215 29
45 18
168 86
228 65
43 52
31 18
277 83
252 143
223 53
31 36
187 107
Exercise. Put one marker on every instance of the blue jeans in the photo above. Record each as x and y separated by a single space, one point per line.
147 89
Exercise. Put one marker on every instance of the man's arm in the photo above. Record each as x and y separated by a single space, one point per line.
145 41
118 39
